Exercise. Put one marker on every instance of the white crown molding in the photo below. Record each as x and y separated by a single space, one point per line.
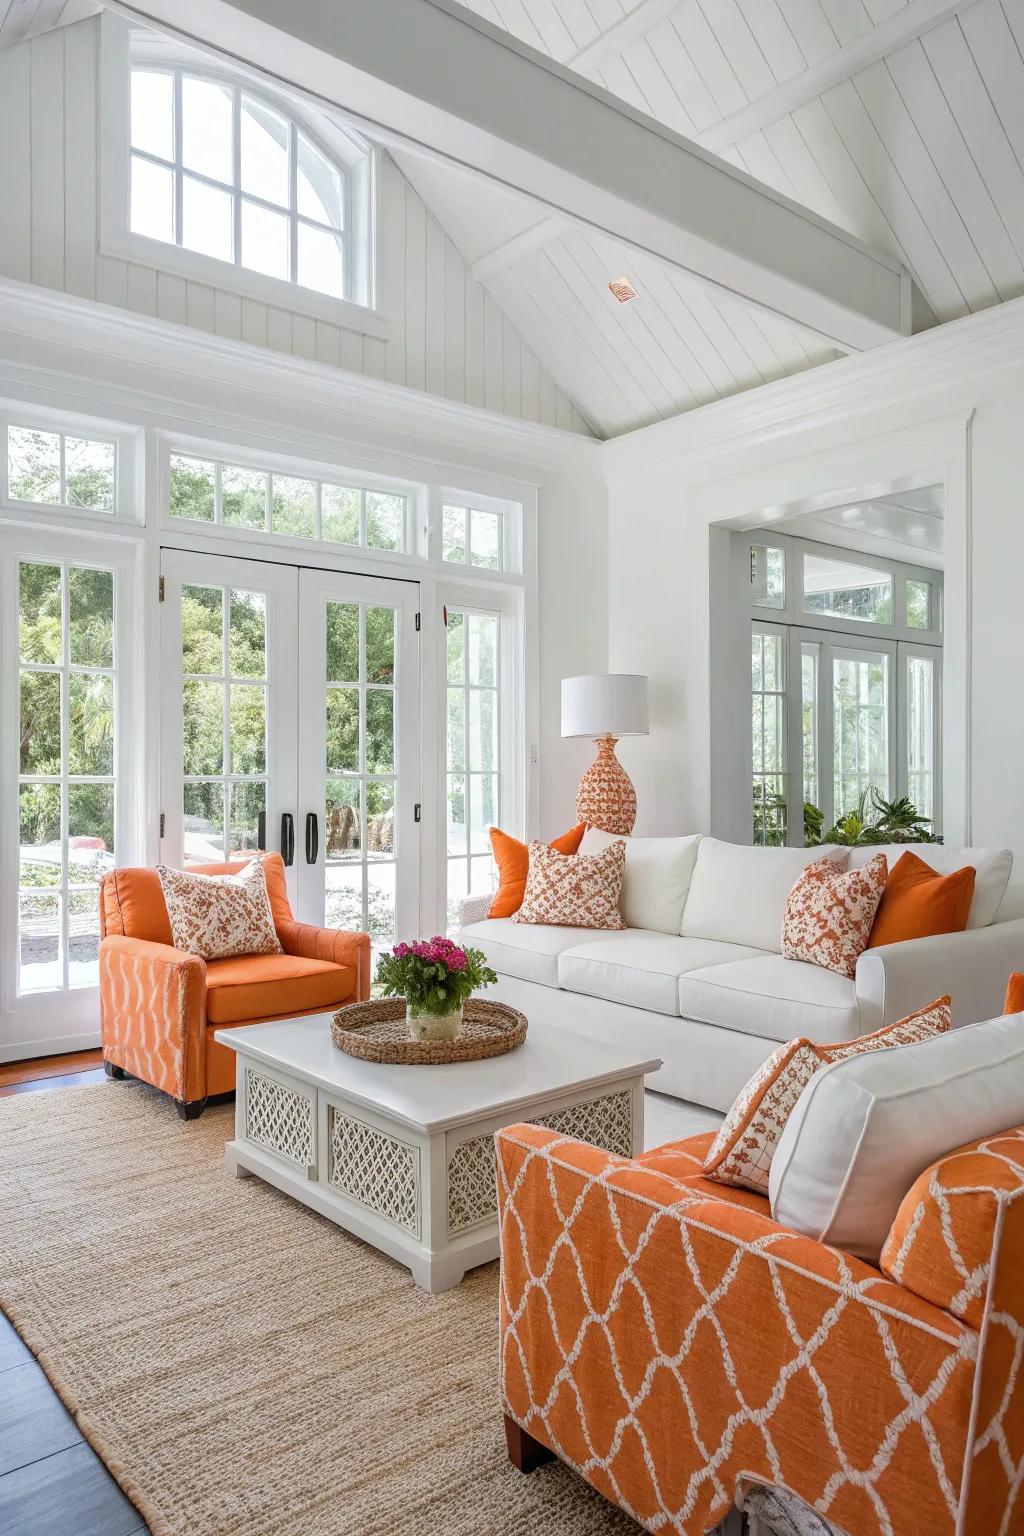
916 367
177 354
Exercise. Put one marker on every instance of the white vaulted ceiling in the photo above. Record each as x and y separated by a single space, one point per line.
902 121
20 19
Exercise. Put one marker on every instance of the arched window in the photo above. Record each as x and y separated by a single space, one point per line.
219 169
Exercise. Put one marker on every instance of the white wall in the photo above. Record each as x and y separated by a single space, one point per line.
448 336
901 410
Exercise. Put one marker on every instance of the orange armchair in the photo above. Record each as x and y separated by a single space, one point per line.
678 1348
160 1007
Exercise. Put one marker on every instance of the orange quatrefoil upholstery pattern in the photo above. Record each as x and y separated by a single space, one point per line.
667 1339
160 1007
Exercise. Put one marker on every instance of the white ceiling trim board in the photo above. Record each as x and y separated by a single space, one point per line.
430 73
510 251
916 18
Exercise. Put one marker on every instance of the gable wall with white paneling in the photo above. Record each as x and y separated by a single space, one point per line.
447 335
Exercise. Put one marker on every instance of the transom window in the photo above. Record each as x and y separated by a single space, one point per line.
58 469
296 506
218 170
472 536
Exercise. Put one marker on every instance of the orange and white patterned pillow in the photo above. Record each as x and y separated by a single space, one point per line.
829 913
220 915
573 890
742 1151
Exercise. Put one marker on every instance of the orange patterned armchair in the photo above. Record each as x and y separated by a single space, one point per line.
679 1349
160 1007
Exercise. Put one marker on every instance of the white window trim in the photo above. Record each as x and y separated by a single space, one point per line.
118 240
128 486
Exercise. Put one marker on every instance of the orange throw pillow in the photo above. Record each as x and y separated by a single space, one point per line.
1015 994
917 902
513 860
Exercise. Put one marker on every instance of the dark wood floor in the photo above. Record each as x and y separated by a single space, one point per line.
52 1483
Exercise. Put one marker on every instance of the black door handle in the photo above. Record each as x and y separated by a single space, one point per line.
288 837
261 832
312 837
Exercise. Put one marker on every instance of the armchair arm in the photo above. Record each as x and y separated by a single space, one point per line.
153 1014
667 1345
473 909
334 944
972 966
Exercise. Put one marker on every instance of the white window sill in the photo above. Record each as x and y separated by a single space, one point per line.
273 291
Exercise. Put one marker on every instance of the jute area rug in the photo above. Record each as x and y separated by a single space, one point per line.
242 1366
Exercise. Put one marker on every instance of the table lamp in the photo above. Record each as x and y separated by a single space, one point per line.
605 706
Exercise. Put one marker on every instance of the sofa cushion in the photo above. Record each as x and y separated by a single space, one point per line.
776 998
656 878
739 894
641 968
684 1162
528 951
264 986
993 867
865 1128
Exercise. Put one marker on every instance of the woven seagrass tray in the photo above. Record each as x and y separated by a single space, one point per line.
377 1031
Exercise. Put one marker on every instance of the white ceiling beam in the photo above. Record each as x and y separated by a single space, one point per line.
429 74
915 19
517 246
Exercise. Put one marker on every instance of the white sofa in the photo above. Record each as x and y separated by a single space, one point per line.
698 978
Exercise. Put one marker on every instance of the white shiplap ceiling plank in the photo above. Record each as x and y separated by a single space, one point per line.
682 316
706 52
686 78
579 23
927 104
881 10
848 19
607 12
850 137
618 77
917 170
774 38
811 28
647 71
550 24
728 24
761 161
516 18
715 326
628 342
995 55
811 188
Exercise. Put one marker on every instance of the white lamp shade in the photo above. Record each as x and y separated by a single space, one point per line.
605 704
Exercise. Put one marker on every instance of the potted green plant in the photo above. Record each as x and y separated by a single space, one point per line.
435 976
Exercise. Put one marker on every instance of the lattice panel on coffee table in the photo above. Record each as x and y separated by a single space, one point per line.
375 1168
278 1118
472 1196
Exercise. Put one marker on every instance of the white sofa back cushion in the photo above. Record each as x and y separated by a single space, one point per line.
992 871
865 1128
738 894
656 880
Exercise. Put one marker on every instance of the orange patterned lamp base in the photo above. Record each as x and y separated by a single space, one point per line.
606 797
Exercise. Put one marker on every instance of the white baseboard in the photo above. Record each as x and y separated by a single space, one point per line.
55 1045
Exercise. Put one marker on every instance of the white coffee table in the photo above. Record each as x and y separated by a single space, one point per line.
404 1156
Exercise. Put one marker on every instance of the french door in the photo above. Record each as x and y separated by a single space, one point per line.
291 722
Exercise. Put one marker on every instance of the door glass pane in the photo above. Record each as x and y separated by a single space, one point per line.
343 730
247 645
203 806
809 720
91 617
380 902
844 590
860 704
344 826
474 781
921 733
344 896
380 731
248 728
202 630
483 649
247 801
768 737
203 728
66 797
343 642
380 645
380 818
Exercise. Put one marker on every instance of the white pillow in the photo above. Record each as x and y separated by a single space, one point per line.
864 1128
992 868
738 894
657 877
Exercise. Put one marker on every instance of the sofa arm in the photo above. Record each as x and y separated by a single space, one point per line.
333 944
973 967
667 1345
473 909
153 1014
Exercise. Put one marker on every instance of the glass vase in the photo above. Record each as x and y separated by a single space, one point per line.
425 1025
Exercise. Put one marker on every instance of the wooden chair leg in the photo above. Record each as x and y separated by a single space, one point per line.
112 1070
524 1452
190 1109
